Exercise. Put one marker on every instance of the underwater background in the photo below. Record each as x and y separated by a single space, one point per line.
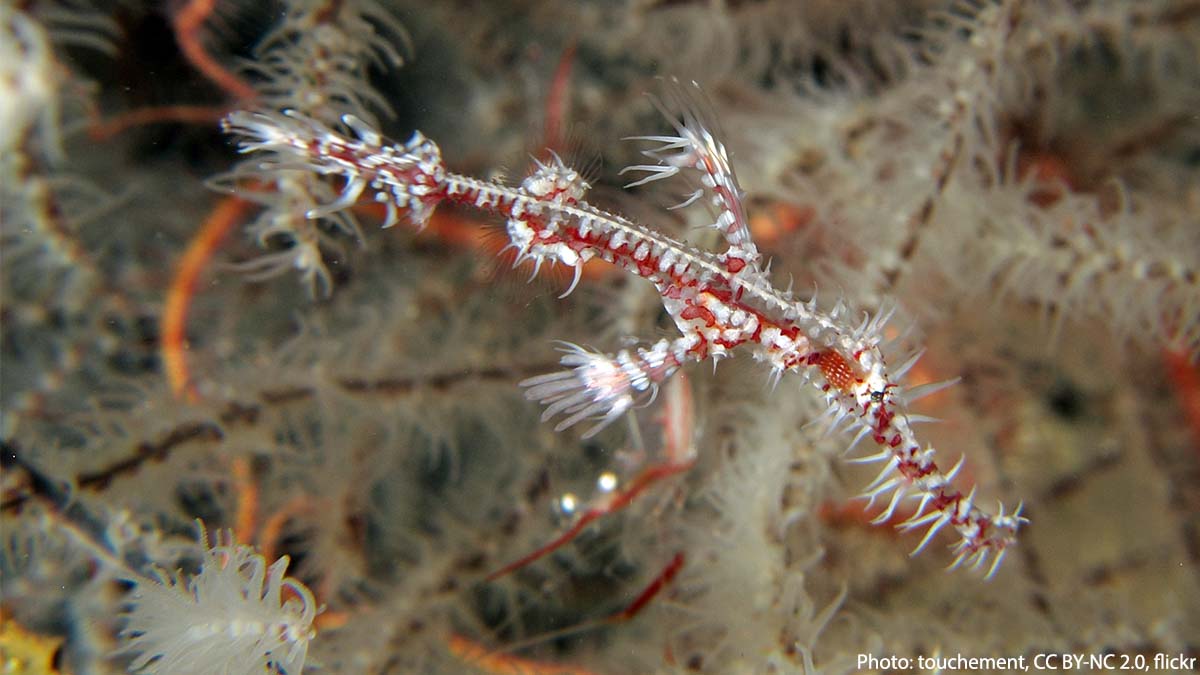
181 343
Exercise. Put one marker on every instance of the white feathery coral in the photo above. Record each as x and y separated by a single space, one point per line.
229 619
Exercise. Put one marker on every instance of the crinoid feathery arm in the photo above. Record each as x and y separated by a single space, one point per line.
719 301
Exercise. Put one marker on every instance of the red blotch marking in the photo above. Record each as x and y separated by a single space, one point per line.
697 312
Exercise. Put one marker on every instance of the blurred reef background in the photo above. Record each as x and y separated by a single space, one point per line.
1022 177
